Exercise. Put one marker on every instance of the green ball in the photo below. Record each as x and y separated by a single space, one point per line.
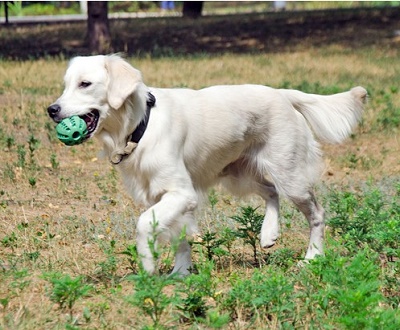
72 130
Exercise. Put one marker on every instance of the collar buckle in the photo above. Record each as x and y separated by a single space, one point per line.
133 140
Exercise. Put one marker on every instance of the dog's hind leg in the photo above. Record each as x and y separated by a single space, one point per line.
315 216
270 226
245 183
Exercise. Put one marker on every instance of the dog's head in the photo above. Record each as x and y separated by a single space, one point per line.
94 86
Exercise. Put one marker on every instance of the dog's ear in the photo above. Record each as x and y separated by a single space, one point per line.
123 80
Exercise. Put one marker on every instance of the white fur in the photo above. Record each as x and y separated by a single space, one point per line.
233 135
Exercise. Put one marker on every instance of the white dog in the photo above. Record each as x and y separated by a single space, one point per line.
171 145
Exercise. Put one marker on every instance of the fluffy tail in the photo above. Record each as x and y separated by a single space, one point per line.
332 117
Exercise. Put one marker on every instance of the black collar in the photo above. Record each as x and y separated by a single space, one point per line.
119 155
141 128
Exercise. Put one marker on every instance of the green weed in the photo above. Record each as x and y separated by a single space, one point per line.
20 281
346 290
250 223
21 152
267 294
283 258
195 289
132 254
33 145
211 243
53 161
66 290
10 142
107 269
9 172
213 198
10 240
389 117
32 181
366 218
214 319
150 296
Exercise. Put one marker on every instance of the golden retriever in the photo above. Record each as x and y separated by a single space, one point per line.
171 145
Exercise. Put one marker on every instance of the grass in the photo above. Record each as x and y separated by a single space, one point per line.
67 227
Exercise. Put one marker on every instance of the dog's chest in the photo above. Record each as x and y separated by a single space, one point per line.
143 179
136 184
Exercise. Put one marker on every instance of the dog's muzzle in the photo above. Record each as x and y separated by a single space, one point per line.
53 111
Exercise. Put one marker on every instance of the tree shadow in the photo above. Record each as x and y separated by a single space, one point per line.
244 33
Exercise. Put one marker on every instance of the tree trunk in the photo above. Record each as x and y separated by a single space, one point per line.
6 11
98 29
192 9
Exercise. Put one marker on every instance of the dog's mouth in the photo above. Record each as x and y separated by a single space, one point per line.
91 119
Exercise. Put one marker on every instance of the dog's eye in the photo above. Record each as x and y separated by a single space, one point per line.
84 84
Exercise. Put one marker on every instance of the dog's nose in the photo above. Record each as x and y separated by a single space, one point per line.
53 110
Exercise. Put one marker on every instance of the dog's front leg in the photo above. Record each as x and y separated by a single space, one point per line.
161 220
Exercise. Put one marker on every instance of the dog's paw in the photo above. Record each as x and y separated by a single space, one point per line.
303 263
268 242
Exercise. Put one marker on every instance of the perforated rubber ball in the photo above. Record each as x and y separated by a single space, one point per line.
72 130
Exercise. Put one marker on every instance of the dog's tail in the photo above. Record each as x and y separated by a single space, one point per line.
332 117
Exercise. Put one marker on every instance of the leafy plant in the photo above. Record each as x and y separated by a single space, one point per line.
283 258
107 269
9 172
389 116
267 294
10 142
4 302
53 160
33 144
21 156
150 296
195 289
346 289
227 239
250 227
391 280
211 243
10 240
132 254
20 281
366 219
32 181
213 198
214 319
66 290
